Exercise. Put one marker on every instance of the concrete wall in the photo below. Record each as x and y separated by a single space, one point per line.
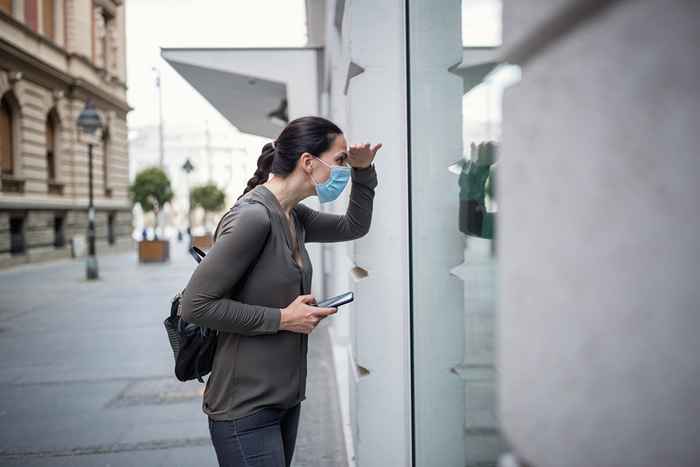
365 86
599 292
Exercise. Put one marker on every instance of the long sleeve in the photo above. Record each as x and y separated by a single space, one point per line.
327 227
205 301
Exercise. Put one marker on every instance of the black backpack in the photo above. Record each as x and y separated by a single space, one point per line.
192 345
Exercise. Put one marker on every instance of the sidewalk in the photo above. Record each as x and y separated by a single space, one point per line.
86 371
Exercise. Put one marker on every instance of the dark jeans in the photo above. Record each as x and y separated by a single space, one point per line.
265 438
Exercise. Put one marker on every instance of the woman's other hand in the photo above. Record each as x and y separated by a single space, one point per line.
301 317
361 156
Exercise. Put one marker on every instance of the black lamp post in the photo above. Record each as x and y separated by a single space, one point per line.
89 121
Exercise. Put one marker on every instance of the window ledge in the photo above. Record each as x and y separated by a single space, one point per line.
56 187
12 184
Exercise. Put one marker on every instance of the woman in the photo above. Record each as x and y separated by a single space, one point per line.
254 286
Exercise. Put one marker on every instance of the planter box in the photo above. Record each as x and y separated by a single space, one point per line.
203 242
154 251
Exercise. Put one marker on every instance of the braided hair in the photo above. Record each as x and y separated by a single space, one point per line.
306 134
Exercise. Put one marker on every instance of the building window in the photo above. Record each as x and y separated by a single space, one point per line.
51 147
102 26
7 136
59 238
110 227
17 245
53 152
6 6
48 18
31 14
106 172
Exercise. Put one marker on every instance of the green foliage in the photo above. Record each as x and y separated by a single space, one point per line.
209 197
151 189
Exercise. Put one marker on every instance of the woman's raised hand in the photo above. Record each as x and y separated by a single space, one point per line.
361 155
301 317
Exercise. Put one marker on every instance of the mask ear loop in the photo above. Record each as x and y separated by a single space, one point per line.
311 175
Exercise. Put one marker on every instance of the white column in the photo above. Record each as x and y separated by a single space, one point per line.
374 36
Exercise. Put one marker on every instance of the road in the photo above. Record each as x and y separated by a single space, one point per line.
86 372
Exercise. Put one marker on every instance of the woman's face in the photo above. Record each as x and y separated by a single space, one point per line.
336 155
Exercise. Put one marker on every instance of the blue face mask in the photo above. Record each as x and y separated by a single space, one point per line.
334 186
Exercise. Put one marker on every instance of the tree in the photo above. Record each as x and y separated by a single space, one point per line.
209 197
151 189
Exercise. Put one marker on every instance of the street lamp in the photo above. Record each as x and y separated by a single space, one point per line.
161 147
89 121
188 167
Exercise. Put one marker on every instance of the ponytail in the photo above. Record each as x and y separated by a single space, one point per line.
263 171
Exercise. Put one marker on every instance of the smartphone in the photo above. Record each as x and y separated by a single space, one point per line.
336 301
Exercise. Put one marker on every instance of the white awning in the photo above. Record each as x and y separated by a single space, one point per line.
246 85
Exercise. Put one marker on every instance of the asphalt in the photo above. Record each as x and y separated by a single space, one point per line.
86 371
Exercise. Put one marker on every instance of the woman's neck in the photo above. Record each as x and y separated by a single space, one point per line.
288 192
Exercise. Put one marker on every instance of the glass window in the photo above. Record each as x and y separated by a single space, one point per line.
6 136
106 170
17 246
48 17
51 147
111 238
59 238
103 24
455 129
31 14
6 6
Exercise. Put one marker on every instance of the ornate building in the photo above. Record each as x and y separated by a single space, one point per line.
54 55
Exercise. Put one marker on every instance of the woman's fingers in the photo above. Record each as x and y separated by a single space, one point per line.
306 299
323 312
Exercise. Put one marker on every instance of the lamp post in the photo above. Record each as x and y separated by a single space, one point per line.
89 121
188 167
161 147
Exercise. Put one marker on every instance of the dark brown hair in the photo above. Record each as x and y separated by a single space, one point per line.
306 134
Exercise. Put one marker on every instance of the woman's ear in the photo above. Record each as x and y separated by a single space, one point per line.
305 160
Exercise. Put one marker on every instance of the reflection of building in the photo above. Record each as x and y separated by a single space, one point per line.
592 359
53 56
217 156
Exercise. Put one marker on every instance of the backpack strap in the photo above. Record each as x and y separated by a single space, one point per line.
252 265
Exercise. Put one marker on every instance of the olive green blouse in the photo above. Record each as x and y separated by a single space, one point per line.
246 278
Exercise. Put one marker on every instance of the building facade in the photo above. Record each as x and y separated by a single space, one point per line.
54 56
529 284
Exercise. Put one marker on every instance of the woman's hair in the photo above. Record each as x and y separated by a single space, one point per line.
306 134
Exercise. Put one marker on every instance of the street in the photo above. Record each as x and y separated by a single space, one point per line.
86 375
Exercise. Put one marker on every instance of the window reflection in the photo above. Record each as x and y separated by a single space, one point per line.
477 189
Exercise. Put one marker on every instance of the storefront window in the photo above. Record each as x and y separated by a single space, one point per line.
455 130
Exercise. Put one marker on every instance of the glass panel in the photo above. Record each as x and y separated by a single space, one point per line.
48 18
6 6
455 121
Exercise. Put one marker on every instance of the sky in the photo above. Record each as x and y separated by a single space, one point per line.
152 24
